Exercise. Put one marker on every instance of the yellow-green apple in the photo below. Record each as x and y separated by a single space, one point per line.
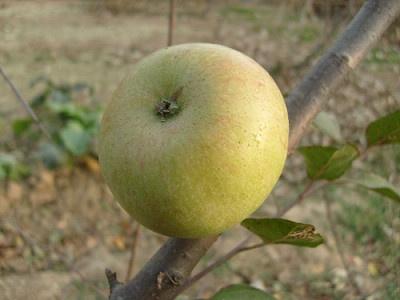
194 139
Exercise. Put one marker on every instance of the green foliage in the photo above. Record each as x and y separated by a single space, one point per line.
72 126
379 185
328 163
51 155
392 291
385 130
384 56
241 292
368 219
281 231
19 126
308 34
68 113
10 168
75 138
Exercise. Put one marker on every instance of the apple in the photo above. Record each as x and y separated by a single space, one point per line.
194 139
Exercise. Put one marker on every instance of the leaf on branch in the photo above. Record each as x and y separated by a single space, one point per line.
379 185
241 292
328 162
328 124
385 130
282 231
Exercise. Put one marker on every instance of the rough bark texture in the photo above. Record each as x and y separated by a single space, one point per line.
165 271
172 264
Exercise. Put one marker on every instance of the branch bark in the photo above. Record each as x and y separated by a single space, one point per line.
166 271
364 30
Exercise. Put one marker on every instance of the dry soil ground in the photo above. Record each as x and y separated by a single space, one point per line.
60 229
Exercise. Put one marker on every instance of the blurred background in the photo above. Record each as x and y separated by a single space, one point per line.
59 226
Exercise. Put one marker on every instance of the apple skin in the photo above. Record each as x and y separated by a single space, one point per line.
210 165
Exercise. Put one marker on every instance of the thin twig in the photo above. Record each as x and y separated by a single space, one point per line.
24 103
339 248
239 248
131 263
171 22
300 198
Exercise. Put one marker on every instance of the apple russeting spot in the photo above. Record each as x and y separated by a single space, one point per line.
193 139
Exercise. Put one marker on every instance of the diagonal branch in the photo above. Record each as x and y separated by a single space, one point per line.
163 275
165 271
364 30
24 104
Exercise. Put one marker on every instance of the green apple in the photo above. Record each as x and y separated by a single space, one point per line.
194 139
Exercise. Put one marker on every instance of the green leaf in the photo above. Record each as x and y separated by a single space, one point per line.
241 292
11 168
51 155
328 162
379 185
92 120
385 130
75 138
328 124
282 231
20 126
69 110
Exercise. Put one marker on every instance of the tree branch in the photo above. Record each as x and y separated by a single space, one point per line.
165 271
236 250
162 276
364 30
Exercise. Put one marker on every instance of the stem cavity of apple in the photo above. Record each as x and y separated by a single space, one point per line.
169 107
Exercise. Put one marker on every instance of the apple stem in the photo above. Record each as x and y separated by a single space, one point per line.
169 106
